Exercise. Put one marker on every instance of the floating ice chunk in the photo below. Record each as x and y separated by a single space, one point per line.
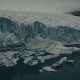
64 59
15 60
60 62
41 70
70 61
33 62
7 58
48 69
47 57
27 59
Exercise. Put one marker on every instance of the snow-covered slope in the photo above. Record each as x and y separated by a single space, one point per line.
47 19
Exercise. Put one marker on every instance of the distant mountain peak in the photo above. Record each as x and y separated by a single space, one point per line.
75 13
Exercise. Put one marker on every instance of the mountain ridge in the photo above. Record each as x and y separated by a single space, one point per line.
47 19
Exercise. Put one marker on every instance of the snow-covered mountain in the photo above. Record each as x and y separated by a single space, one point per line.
26 26
28 34
47 19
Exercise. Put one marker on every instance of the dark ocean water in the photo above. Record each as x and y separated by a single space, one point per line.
25 72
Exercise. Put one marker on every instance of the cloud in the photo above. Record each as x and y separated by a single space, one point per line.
43 6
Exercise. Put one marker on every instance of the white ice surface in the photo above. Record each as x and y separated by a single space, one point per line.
48 69
47 19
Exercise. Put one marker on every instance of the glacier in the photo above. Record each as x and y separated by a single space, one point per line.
36 37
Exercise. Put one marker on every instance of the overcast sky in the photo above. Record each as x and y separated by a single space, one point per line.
43 6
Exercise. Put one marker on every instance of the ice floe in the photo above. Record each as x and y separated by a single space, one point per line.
48 69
